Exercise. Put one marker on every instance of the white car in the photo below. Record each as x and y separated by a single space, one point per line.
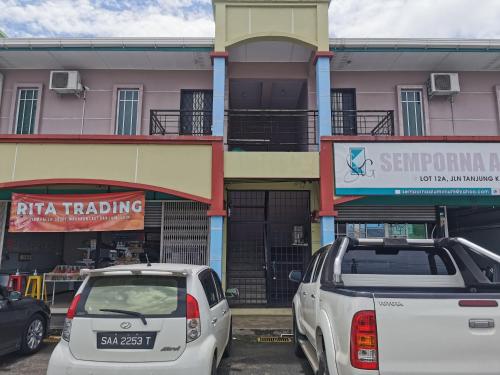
151 319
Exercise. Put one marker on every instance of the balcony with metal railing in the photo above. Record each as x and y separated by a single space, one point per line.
180 122
271 130
363 122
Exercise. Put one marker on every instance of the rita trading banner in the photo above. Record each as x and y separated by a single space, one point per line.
77 212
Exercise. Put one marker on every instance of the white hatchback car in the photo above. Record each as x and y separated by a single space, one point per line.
152 319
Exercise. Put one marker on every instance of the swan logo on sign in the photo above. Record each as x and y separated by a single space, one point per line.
357 163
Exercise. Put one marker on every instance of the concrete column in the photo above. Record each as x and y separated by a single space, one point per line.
216 227
327 230
219 81
323 101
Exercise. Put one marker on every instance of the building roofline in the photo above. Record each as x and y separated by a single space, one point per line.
108 44
413 45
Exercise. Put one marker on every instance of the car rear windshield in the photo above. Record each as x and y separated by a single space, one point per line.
163 296
393 261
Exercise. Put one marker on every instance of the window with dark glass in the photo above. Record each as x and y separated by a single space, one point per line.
196 112
27 102
209 288
127 111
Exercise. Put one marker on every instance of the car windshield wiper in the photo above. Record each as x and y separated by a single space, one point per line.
127 312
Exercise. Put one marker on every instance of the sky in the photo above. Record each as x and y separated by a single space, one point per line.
193 18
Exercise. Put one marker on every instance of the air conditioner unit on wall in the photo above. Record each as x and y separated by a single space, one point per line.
443 84
65 82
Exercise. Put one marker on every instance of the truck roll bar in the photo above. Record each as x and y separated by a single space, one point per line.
346 241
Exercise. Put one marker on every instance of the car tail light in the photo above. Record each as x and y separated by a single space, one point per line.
193 323
66 333
364 345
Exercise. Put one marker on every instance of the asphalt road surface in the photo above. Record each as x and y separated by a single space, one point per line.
247 358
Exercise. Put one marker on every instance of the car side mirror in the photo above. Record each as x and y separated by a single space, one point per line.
295 276
15 296
232 293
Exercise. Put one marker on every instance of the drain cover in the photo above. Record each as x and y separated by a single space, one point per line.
274 339
52 339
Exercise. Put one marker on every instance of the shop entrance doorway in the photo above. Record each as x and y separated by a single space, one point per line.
268 236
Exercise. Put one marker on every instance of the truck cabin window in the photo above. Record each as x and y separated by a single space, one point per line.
384 261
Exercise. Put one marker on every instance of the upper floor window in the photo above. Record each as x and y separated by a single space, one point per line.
26 110
127 111
344 116
196 112
413 112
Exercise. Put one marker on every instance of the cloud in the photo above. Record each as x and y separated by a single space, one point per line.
155 18
415 18
64 18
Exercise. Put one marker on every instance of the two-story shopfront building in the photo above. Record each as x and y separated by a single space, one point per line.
251 149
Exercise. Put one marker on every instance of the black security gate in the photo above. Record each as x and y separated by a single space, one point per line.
268 236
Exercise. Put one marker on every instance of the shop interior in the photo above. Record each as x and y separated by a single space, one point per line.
58 257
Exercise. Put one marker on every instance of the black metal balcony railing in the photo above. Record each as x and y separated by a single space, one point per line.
363 122
271 130
180 122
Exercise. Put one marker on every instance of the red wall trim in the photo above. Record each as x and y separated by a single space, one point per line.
217 207
84 181
319 54
110 139
219 54
432 138
326 179
347 199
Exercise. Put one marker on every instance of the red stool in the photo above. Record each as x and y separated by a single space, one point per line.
16 282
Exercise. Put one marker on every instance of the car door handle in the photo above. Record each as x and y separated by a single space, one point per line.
224 312
304 293
313 296
214 321
481 323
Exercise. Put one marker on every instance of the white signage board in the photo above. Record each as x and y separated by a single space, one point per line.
391 168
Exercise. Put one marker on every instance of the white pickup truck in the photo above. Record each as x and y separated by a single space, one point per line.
398 307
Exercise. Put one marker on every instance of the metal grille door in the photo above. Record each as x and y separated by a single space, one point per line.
196 112
185 232
268 236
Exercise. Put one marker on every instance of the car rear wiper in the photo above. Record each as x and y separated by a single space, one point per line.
127 312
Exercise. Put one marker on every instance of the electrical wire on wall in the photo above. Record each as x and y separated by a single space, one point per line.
84 97
452 108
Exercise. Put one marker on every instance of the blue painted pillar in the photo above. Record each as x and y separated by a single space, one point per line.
216 227
323 101
219 81
327 224
216 222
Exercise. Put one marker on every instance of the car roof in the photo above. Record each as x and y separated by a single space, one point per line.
173 267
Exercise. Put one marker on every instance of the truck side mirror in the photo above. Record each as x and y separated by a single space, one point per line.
295 276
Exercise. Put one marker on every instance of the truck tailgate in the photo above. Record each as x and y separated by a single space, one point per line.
425 334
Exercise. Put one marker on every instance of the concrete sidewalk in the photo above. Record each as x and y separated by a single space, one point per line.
262 325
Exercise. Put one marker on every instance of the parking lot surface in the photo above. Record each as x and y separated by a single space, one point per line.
247 358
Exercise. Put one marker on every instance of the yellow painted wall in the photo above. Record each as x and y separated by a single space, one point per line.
185 168
289 165
305 21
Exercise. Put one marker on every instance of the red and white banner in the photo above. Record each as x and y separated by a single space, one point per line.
77 212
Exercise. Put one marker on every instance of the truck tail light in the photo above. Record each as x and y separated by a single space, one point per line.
364 345
66 333
193 323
